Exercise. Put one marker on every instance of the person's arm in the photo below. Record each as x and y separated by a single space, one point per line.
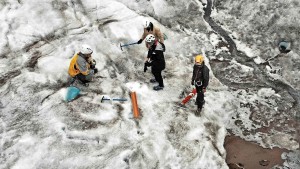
143 37
159 35
92 63
193 77
149 55
83 66
205 77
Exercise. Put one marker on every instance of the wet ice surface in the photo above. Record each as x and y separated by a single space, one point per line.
40 130
257 37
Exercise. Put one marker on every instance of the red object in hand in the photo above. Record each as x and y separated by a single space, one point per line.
188 97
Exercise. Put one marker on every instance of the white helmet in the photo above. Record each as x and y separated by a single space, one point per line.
86 49
150 39
147 24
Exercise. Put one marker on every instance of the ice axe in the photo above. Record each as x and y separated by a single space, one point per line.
114 99
127 45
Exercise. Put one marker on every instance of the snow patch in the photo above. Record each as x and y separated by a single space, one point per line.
266 92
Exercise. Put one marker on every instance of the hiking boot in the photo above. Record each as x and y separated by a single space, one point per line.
198 111
158 88
153 81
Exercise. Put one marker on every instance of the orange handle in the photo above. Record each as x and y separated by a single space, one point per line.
135 108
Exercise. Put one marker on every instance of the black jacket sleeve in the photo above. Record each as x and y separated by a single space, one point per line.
193 77
149 54
205 76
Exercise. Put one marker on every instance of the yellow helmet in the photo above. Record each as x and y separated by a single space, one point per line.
199 59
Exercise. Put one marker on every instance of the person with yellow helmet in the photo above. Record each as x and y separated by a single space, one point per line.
200 79
82 66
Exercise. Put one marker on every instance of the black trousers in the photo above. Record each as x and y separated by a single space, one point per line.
82 78
200 96
158 77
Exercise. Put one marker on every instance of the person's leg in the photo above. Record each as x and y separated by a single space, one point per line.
200 100
200 96
158 77
89 77
82 78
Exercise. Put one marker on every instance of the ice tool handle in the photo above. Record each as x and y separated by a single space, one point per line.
127 45
114 99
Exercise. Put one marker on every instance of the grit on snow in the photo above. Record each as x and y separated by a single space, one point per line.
38 129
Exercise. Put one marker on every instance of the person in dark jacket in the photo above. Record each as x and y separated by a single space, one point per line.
156 59
200 79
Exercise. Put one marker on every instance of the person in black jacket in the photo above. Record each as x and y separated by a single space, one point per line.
200 79
156 59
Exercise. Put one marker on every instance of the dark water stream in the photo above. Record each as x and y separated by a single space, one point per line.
259 69
262 79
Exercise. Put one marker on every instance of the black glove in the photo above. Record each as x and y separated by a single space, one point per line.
192 83
145 67
93 64
164 47
95 70
148 64
140 41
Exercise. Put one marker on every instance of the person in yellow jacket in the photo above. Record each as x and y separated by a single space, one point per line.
82 66
149 28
